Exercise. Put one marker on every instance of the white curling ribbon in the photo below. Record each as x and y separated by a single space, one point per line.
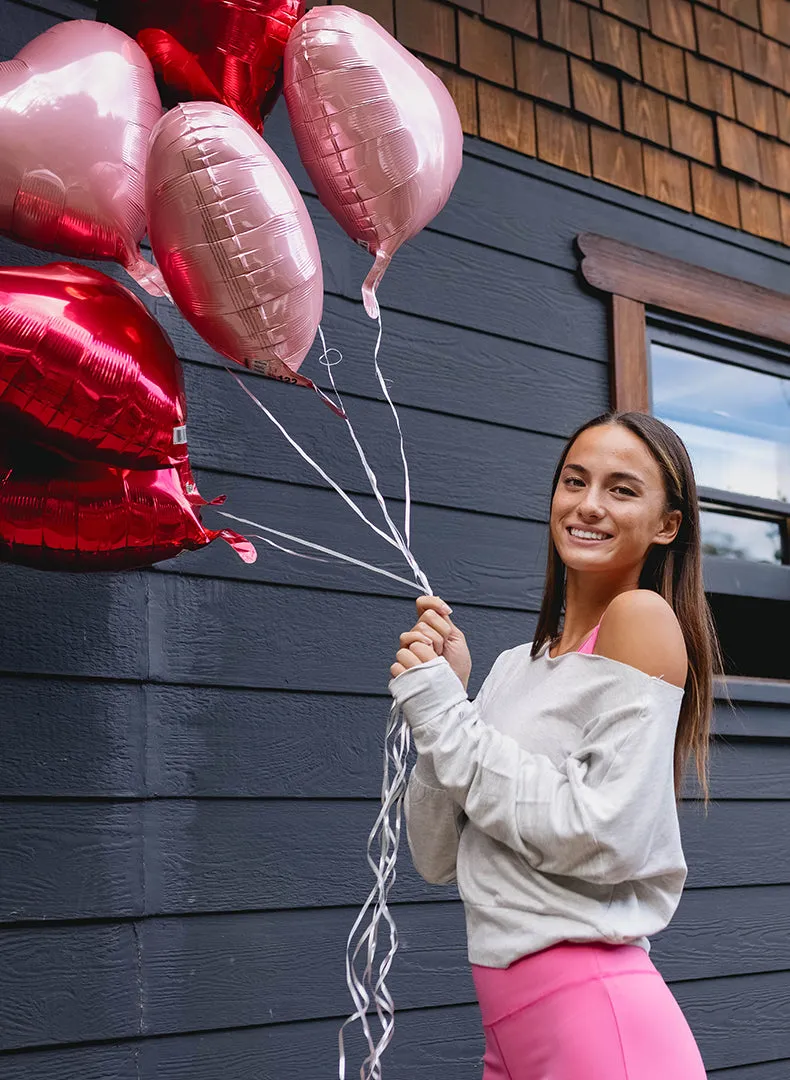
313 464
402 543
386 830
315 547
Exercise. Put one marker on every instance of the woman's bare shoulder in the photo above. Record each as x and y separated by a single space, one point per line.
640 628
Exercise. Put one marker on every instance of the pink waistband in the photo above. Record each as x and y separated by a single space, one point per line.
502 991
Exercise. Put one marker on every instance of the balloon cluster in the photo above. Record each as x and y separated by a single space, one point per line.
94 470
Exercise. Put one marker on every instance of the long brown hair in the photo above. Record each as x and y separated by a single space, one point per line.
675 572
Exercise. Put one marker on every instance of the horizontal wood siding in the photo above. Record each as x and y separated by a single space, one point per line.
191 755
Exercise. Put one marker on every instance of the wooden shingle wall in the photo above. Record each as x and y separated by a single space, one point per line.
684 101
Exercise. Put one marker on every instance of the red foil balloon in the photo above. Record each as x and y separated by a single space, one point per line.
77 106
86 370
86 517
229 51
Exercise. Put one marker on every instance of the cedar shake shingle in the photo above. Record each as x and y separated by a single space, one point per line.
562 140
710 86
521 15
717 36
507 118
782 102
754 105
761 57
775 16
542 72
667 177
662 66
485 50
595 93
673 20
427 26
615 43
738 148
715 195
566 24
760 212
745 11
691 132
633 11
645 113
617 159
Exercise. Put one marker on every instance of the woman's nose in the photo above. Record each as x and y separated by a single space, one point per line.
591 503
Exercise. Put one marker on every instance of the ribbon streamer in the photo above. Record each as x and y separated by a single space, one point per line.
369 986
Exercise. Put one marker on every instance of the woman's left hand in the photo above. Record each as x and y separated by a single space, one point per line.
432 636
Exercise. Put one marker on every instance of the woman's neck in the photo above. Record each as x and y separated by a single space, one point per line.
587 596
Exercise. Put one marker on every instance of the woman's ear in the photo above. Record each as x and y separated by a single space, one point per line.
669 528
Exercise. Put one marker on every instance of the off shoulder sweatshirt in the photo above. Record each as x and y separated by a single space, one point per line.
549 799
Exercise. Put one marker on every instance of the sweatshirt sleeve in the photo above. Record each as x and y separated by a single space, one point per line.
434 819
594 816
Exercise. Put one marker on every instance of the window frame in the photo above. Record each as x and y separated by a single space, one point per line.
638 280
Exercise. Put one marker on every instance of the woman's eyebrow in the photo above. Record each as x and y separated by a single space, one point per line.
620 475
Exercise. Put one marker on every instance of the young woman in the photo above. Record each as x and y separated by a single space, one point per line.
552 798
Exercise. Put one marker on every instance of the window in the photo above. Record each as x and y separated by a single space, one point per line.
710 356
730 403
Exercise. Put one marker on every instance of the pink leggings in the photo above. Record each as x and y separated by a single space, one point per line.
584 1011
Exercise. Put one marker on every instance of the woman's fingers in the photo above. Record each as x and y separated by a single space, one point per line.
432 603
416 634
432 620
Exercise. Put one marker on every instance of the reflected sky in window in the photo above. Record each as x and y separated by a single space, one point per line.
740 537
734 421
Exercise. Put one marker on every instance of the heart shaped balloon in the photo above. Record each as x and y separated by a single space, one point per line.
377 132
77 106
234 240
86 370
57 515
212 50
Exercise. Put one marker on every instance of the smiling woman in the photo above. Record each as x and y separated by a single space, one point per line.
552 798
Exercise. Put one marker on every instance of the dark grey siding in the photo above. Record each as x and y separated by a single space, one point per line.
190 756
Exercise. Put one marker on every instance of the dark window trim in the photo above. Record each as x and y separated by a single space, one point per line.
646 278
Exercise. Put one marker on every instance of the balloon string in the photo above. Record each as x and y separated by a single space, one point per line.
316 547
313 464
402 543
387 838
385 389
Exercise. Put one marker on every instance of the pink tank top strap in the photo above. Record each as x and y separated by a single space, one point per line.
588 644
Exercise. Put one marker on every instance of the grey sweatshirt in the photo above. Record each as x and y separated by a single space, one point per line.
549 799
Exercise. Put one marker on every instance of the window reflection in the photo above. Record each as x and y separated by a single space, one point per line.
737 537
734 421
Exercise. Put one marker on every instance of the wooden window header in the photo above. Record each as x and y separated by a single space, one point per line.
658 281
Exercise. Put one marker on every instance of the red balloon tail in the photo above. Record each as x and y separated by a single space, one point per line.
243 547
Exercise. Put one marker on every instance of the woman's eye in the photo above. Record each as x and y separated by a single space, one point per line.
573 480
626 490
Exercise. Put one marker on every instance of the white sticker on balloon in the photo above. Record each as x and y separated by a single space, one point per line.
179 435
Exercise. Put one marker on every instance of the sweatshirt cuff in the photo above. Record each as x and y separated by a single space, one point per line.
427 690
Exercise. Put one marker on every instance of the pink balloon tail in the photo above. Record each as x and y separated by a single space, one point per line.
282 373
149 278
371 283
240 544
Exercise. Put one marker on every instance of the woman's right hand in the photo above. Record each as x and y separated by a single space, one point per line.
447 640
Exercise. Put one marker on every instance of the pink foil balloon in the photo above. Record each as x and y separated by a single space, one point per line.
77 106
233 239
377 132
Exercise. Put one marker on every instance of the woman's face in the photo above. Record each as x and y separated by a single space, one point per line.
612 487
